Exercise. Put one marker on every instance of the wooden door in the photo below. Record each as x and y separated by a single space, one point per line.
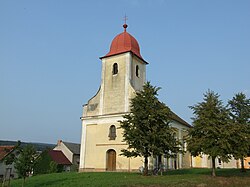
111 160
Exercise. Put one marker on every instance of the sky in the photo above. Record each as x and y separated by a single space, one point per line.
50 49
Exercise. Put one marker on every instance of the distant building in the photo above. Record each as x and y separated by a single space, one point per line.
71 151
7 170
60 159
51 161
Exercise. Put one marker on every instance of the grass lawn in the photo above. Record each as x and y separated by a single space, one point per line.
183 178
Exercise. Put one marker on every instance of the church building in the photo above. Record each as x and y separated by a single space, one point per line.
123 74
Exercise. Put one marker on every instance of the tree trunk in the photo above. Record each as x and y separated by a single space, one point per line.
23 181
145 172
213 166
242 165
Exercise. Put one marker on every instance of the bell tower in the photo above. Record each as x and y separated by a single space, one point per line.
123 72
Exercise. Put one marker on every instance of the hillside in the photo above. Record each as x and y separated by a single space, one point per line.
38 146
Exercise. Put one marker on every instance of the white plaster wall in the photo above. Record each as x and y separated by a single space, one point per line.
3 169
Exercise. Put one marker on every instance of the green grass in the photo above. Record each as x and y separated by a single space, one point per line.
176 178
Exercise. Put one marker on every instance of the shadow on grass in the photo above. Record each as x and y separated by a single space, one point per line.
53 182
232 173
208 172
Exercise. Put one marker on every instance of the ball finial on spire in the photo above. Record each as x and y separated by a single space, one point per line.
125 25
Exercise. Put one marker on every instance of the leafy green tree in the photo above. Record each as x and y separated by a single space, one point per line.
45 164
25 162
53 167
211 129
239 107
146 127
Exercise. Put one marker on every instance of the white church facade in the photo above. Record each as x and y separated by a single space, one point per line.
123 73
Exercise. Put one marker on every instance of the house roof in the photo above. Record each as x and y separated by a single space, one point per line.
73 147
5 150
59 157
178 119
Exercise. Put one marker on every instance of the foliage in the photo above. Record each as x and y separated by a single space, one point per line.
44 164
239 107
10 158
53 167
74 168
24 163
173 178
211 129
146 127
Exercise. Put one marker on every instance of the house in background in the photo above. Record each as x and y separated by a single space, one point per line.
51 161
60 159
71 151
7 171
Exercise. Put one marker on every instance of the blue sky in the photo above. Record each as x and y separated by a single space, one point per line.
50 49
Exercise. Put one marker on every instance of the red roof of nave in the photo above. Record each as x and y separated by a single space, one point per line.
124 42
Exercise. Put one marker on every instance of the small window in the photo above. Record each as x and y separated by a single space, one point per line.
112 132
137 73
184 145
219 161
115 68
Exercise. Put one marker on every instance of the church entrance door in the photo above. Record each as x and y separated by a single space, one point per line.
111 160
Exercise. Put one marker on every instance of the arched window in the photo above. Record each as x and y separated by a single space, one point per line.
112 132
115 68
137 73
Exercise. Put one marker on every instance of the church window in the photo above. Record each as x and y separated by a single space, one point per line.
112 132
115 68
184 145
219 161
137 73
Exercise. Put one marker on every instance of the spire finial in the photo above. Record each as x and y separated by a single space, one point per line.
125 25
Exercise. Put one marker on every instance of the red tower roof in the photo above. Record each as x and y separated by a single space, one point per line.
124 42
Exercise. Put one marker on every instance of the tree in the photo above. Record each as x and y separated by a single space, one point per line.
239 108
24 163
44 164
146 127
211 129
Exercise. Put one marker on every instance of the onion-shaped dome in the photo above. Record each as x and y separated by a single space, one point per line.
124 42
